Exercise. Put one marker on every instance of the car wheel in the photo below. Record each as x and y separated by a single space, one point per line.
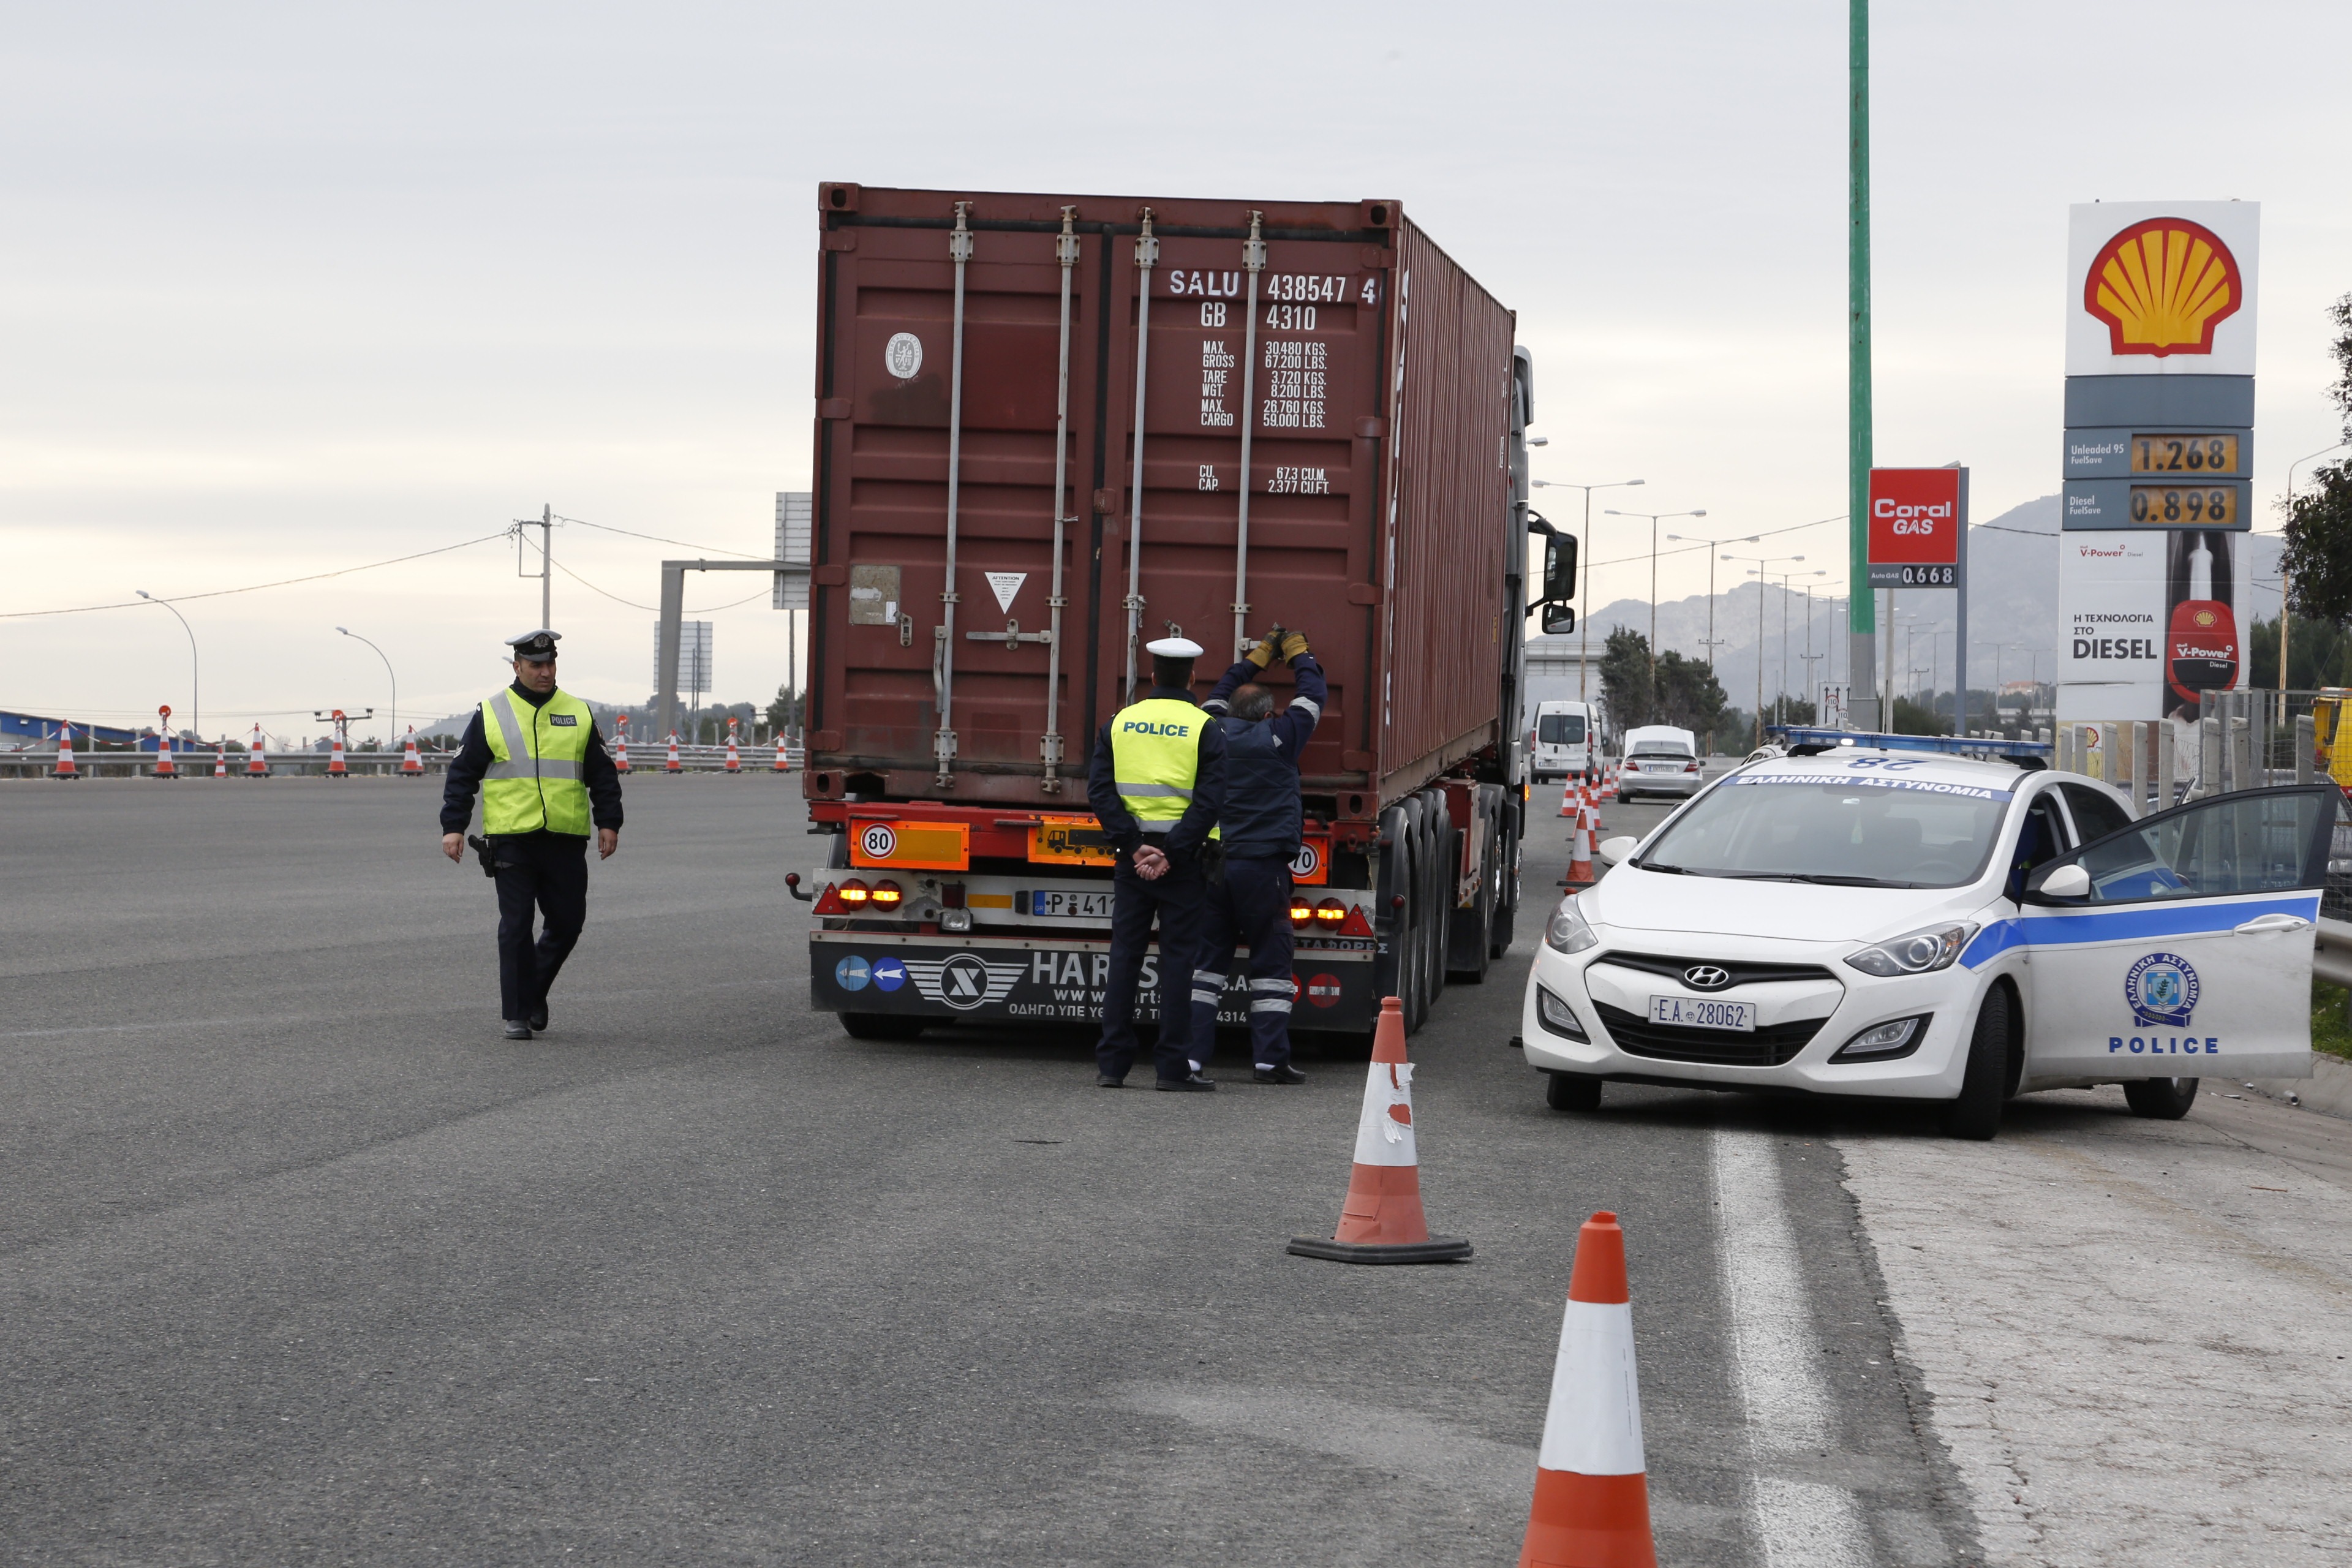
1571 1091
881 1026
2161 1099
1984 1086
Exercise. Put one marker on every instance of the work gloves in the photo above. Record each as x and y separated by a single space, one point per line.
1268 649
1292 645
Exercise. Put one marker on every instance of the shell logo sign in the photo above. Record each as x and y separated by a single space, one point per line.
2162 286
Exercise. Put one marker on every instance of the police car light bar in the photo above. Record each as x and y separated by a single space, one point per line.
1947 745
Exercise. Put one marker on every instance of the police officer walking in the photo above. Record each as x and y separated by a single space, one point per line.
545 777
1156 786
1261 824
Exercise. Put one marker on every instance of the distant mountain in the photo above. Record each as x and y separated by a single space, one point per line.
2013 600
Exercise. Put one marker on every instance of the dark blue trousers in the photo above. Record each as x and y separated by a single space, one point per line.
1177 901
1253 907
549 870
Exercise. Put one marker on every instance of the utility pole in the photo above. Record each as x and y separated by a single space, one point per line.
1861 671
547 565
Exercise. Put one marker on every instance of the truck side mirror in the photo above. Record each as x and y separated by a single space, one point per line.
1559 618
1559 568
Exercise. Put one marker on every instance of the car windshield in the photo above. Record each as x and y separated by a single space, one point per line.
1887 833
1560 729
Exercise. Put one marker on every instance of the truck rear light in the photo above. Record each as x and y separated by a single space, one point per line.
852 893
1356 924
1301 912
1331 912
950 895
829 901
887 895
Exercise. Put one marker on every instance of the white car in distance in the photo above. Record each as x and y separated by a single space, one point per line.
1856 921
1660 759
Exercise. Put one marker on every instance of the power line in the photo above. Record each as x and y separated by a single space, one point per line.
658 539
1739 539
254 589
654 609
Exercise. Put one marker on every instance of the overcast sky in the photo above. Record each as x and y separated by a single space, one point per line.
288 289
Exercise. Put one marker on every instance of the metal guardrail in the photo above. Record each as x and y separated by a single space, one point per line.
311 764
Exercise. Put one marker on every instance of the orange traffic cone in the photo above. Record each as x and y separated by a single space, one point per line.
1570 796
410 764
621 744
672 766
734 758
1592 1496
163 768
335 767
1579 855
66 769
220 761
784 758
1381 1222
256 761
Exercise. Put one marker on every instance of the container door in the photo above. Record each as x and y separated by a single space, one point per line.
887 395
2189 954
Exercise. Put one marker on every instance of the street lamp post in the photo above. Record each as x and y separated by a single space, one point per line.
2286 584
1758 573
195 707
396 685
1711 641
1584 543
1654 517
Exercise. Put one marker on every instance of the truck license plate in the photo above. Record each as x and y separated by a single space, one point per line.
1076 906
1690 1013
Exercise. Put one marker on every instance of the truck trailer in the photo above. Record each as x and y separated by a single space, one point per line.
1051 428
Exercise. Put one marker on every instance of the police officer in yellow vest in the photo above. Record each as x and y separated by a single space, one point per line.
545 778
1156 784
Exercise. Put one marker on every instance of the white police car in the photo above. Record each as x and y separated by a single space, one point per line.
1859 921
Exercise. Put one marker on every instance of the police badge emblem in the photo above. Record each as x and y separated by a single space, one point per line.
2162 989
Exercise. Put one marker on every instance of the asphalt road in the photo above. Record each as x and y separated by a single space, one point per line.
304 1264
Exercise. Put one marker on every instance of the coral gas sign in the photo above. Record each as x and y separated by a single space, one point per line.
1915 528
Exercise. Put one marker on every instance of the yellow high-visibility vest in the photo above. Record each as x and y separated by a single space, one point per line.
1155 753
533 781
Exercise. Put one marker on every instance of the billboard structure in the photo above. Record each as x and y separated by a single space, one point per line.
2158 456
693 658
1919 539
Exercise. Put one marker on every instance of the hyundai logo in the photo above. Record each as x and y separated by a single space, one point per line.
1707 977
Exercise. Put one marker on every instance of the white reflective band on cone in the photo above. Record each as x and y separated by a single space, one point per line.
1595 1425
1385 1131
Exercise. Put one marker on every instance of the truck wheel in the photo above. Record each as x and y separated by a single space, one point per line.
1506 887
1444 854
1571 1091
2161 1099
1984 1085
1393 972
880 1026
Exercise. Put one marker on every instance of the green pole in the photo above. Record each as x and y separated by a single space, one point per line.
1862 620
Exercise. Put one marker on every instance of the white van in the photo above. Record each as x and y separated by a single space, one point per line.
1563 742
1659 760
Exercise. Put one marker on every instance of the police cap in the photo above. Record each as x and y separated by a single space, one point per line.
1175 648
538 646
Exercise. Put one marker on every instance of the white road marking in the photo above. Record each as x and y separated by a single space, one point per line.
1800 1523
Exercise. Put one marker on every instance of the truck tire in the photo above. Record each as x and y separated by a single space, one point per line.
1393 971
881 1026
1506 908
1985 1084
2161 1099
1444 854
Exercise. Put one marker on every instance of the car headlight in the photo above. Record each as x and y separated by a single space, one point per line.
1919 952
1567 932
1559 1017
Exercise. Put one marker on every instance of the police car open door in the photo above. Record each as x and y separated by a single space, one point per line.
2180 946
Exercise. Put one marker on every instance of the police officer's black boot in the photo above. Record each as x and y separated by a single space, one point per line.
1282 1073
518 1029
539 1017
